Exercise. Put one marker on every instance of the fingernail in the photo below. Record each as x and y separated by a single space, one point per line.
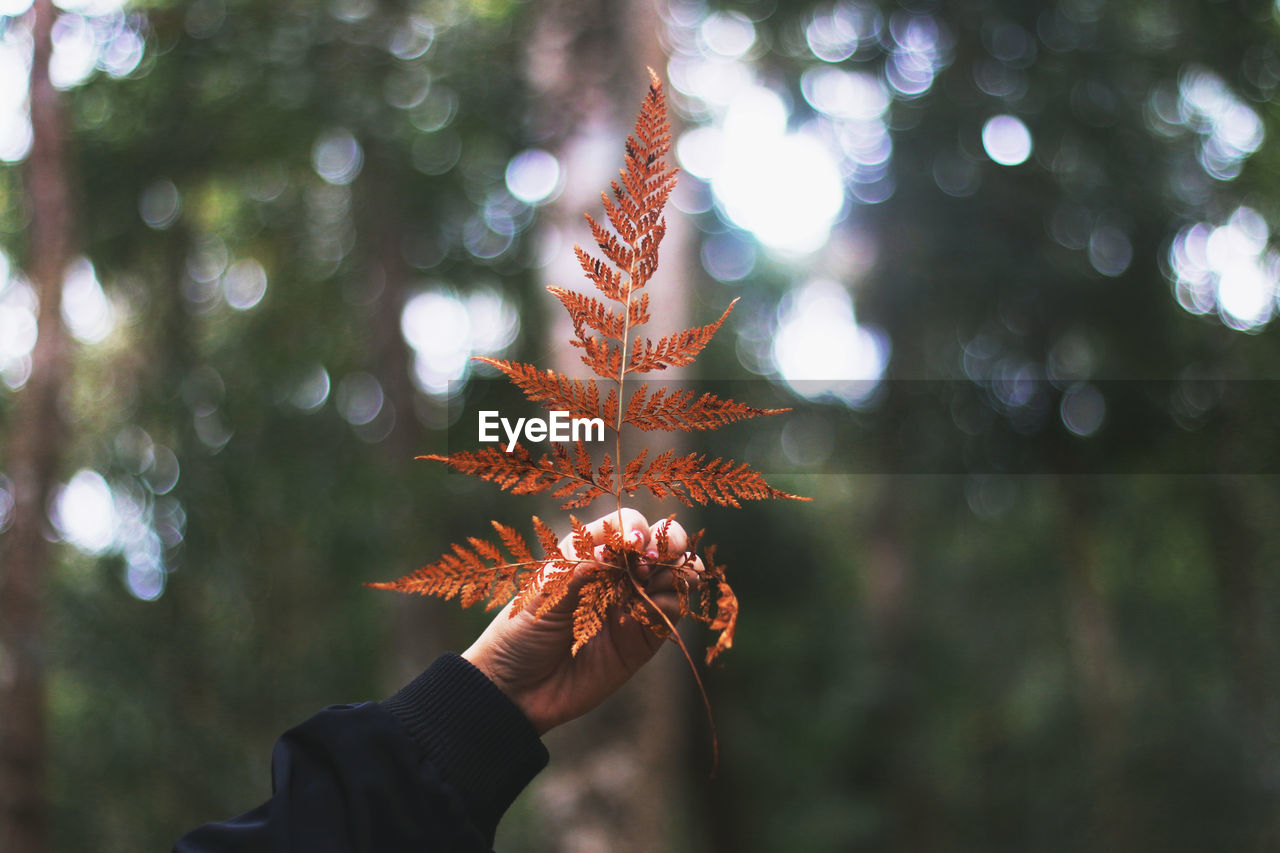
637 537
651 555
599 553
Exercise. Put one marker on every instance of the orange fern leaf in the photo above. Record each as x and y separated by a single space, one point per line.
580 398
604 358
519 473
691 479
477 573
674 350
679 410
726 616
552 588
546 537
553 591
608 281
589 312
610 413
593 603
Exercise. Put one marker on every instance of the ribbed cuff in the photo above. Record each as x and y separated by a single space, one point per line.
478 740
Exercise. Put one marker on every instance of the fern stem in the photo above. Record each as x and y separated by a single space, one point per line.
622 376
702 690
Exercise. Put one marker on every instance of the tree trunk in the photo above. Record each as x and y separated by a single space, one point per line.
912 815
421 626
1234 515
32 458
1099 673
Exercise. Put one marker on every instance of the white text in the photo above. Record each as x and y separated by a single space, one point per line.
559 427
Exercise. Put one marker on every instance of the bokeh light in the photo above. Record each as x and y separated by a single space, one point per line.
920 49
1229 128
337 157
84 513
852 108
90 36
6 503
86 311
92 7
1006 140
712 81
845 94
359 398
1227 269
436 110
728 34
821 351
776 171
414 39
533 176
784 184
445 330
74 51
160 204
311 391
18 305
139 541
163 474
15 65
1083 409
134 449
728 257
205 264
789 206
1110 251
244 284
835 33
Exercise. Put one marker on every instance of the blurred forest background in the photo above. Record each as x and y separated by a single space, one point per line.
1010 261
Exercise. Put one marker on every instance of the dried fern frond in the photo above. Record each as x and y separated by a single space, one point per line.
675 350
605 330
679 410
691 479
722 616
551 390
568 477
480 572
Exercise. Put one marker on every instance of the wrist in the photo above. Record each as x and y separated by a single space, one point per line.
482 661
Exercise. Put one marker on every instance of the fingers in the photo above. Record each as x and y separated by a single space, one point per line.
692 568
677 540
663 545
634 529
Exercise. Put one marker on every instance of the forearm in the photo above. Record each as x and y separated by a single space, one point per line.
433 767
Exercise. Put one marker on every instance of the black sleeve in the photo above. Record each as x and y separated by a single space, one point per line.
432 768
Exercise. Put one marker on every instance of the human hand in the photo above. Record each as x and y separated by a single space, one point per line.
529 658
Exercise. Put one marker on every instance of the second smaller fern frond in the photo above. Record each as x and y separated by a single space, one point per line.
480 572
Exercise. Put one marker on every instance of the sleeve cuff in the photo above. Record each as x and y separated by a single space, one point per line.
478 740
